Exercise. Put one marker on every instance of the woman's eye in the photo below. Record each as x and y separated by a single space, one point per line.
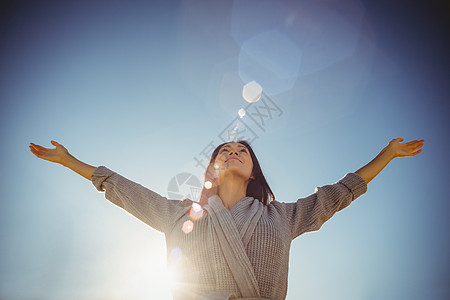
226 150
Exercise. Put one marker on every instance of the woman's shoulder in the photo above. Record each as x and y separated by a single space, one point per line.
278 206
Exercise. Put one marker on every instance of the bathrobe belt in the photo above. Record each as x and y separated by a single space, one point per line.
233 244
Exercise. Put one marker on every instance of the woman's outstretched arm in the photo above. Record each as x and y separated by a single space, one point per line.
394 149
62 156
310 213
146 205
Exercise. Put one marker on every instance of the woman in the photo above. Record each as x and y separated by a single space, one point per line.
235 243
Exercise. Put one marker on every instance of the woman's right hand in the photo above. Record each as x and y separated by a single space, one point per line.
57 155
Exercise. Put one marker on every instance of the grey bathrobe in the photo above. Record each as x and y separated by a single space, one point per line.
241 253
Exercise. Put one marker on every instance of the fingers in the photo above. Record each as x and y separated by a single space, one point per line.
414 142
411 144
413 148
32 149
417 145
39 148
397 140
35 149
417 152
394 141
57 145
401 140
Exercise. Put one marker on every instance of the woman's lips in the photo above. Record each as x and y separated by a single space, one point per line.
233 158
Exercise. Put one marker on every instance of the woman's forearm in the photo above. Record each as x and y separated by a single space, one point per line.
78 166
369 171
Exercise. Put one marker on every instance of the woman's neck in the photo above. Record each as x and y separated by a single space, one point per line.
231 191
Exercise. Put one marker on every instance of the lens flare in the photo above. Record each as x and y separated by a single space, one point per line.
175 254
188 226
208 185
241 113
196 211
252 92
232 135
196 207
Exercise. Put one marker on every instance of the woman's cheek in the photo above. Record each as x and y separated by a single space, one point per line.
218 168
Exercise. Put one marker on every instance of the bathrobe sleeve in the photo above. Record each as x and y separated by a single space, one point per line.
146 205
309 214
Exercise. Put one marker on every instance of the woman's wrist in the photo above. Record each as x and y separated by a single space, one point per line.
78 166
388 153
369 171
68 160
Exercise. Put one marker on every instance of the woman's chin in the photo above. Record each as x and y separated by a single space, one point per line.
234 172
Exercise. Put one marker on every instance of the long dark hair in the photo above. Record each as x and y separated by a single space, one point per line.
257 187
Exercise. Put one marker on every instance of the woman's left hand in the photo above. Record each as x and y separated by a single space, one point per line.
394 149
398 149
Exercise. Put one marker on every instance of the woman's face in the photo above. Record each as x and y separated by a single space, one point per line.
234 159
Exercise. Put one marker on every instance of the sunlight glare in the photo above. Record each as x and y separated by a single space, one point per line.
171 278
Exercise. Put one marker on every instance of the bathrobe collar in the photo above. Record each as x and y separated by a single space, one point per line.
234 239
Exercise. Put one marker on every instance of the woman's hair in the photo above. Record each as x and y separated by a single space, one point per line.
257 187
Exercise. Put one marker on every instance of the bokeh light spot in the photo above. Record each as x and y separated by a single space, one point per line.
271 59
196 211
175 254
188 226
241 113
196 207
232 135
251 92
208 185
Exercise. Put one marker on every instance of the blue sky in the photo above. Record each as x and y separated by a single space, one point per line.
143 87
